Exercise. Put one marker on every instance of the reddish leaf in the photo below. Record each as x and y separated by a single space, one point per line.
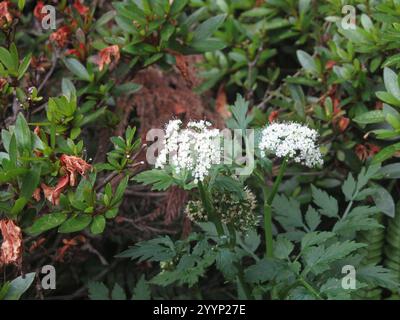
52 194
273 116
74 165
105 55
221 104
60 37
81 8
11 248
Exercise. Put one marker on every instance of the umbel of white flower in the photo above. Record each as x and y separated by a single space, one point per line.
292 140
193 149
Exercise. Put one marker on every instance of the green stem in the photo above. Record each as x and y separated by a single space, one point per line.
207 202
232 235
268 231
243 284
268 199
310 288
240 278
349 206
278 181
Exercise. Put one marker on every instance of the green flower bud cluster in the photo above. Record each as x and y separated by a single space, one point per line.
238 212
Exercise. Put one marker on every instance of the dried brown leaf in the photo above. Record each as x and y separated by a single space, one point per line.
11 248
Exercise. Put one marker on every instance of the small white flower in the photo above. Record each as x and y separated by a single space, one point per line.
293 140
195 148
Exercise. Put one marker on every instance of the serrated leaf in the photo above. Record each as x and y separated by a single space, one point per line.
288 212
313 218
240 118
300 293
328 204
315 238
349 187
118 293
159 179
264 270
366 174
283 248
98 291
158 249
225 262
141 290
351 225
320 258
333 289
378 275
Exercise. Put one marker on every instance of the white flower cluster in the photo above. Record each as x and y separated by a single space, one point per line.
292 140
240 213
195 148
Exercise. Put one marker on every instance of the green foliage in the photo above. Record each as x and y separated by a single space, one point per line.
16 288
373 254
76 92
159 179
156 32
29 161
392 247
159 249
98 291
10 64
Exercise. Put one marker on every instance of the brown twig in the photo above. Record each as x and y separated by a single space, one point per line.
114 174
50 72
251 65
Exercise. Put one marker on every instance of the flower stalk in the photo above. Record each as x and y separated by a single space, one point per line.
268 199
310 288
207 203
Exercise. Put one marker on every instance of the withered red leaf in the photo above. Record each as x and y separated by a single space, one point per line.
11 248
